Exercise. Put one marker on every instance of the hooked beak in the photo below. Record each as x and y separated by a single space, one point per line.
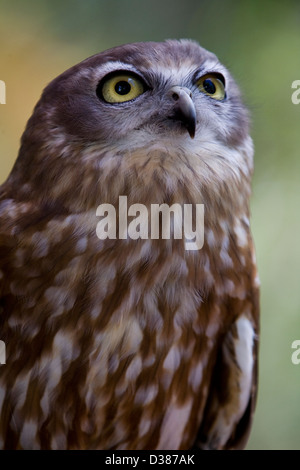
184 108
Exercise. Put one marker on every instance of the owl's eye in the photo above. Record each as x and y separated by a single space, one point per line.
213 86
121 88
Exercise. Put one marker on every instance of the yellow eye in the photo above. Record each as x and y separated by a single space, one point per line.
121 88
212 86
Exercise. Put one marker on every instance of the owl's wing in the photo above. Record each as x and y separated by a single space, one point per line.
232 395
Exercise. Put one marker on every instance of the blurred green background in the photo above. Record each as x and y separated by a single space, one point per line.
259 41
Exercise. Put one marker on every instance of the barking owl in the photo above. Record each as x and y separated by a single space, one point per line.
119 342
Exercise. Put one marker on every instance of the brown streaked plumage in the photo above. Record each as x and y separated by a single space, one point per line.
123 343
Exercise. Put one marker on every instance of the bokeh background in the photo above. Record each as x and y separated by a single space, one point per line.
259 40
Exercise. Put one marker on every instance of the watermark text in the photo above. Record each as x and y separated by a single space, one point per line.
296 354
296 93
2 92
2 353
176 221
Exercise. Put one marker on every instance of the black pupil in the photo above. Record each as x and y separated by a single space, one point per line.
209 87
122 88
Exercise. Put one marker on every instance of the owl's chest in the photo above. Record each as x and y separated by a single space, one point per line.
150 361
146 387
127 325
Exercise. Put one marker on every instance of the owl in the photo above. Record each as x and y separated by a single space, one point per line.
130 342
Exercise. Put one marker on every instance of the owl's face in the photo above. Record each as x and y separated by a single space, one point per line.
139 93
171 104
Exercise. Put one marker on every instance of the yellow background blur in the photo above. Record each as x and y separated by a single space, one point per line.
259 41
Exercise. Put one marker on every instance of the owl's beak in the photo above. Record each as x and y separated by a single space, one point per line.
184 108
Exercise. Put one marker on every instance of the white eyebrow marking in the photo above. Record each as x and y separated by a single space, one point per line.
114 66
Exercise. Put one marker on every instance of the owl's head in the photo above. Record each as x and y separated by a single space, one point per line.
167 95
173 90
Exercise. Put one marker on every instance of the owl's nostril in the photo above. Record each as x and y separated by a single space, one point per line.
176 95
